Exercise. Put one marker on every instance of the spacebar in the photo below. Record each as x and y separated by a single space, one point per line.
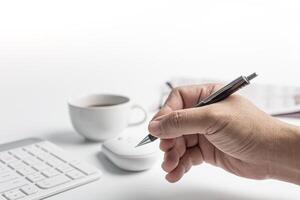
52 182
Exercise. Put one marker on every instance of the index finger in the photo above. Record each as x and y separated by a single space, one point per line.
185 97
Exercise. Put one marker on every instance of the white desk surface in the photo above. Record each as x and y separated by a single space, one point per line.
33 105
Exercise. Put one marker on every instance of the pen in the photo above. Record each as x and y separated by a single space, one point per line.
215 97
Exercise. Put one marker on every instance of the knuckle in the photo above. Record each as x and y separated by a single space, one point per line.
210 114
223 113
215 114
175 91
218 118
163 145
176 119
172 157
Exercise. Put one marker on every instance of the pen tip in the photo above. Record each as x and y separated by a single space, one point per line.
146 140
139 144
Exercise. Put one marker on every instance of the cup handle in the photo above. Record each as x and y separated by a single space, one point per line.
133 107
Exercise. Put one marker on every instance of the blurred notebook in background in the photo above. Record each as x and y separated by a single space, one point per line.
276 100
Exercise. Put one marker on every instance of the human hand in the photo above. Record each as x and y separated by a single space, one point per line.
232 134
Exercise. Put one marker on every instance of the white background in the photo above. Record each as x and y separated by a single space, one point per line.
60 48
50 50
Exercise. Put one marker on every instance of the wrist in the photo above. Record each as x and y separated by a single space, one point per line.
284 156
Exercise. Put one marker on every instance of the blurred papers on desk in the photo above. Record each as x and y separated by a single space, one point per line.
274 99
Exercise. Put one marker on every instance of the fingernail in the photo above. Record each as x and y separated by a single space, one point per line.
154 128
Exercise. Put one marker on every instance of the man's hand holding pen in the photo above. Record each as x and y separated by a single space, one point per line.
232 134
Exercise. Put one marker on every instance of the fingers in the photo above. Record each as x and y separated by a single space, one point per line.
188 96
179 159
176 175
171 161
173 156
185 122
191 140
191 157
185 97
196 156
167 144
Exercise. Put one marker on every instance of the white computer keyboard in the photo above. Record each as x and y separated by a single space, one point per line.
35 169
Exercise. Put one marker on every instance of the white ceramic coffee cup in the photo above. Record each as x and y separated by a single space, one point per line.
99 117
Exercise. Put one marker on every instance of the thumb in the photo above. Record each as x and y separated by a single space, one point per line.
183 122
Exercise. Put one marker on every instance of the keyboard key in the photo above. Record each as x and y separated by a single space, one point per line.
32 149
14 194
2 165
20 153
12 184
75 174
35 177
74 162
49 147
32 161
4 168
7 158
52 182
25 170
29 189
2 198
54 161
17 164
85 168
41 166
43 156
58 153
50 172
9 175
64 168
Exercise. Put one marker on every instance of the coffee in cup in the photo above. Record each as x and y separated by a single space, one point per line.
99 117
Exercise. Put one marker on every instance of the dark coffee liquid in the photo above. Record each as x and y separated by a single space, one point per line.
100 105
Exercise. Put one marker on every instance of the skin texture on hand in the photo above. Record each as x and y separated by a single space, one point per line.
232 134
